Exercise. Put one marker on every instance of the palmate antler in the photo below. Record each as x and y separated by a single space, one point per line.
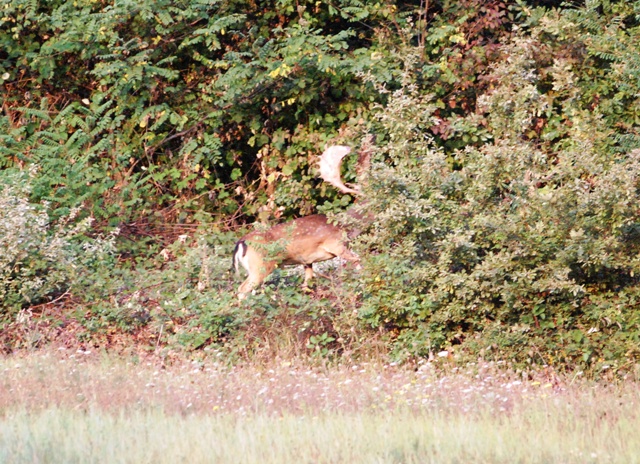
330 163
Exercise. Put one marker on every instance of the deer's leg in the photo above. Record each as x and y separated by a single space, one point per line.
247 286
258 270
308 275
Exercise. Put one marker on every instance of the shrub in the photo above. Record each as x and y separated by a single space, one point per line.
511 249
41 259
181 297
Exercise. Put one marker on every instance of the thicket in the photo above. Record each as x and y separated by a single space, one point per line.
39 259
503 177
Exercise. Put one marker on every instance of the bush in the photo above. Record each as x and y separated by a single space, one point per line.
41 259
511 249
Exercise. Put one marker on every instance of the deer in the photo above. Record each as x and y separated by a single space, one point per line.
303 241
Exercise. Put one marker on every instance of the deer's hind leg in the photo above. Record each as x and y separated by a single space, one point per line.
257 269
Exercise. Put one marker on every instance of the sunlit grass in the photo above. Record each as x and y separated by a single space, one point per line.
79 408
539 433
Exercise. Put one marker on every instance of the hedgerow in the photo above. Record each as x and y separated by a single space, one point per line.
503 181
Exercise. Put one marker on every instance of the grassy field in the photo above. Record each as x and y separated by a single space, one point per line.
82 407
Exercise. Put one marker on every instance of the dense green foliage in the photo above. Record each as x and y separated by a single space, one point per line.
181 107
526 245
39 259
518 249
503 179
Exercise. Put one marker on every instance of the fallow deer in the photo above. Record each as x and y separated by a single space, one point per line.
304 241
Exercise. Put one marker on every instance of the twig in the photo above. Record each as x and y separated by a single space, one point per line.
50 302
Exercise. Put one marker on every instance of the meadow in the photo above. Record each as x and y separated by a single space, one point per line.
77 407
496 150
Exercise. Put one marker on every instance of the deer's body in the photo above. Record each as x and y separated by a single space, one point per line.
304 241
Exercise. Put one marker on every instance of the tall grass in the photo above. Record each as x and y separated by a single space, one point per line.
63 409
540 432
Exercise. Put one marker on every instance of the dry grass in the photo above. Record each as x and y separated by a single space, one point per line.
83 380
80 407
